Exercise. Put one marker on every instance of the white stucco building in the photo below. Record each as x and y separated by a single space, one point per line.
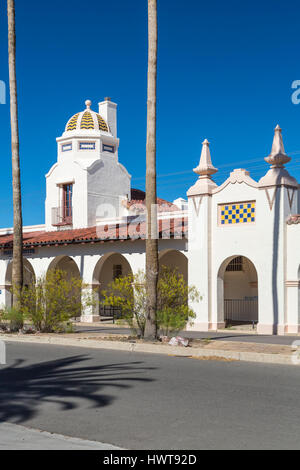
238 243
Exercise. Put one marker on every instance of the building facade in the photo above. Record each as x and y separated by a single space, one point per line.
238 243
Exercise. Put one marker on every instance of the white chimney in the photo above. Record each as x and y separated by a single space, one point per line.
108 110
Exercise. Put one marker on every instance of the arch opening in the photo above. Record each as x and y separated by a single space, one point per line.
28 279
108 268
174 259
238 292
68 266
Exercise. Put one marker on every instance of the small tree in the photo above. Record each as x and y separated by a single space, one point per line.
129 294
53 301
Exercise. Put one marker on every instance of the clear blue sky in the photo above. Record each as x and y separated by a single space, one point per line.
225 71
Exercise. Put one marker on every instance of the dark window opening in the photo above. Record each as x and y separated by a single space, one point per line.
117 271
67 203
108 148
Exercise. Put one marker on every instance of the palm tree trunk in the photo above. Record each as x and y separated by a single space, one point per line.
17 264
151 197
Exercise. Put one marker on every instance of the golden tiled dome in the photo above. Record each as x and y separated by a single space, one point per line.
71 126
87 120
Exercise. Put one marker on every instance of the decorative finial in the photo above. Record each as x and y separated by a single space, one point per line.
205 184
88 104
277 175
205 167
277 157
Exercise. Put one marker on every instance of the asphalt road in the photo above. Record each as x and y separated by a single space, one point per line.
144 401
221 336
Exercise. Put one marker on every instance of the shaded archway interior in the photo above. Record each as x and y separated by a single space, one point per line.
28 279
66 264
108 268
174 259
239 291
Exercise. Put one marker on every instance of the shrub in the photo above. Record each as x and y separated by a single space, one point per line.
53 301
129 294
174 295
14 317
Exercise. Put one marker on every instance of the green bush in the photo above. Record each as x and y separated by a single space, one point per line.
14 317
174 295
53 301
129 294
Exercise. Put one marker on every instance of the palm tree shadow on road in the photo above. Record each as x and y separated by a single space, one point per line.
65 382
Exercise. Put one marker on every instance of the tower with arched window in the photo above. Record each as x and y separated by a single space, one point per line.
87 181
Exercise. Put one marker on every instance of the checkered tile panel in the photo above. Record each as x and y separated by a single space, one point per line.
237 213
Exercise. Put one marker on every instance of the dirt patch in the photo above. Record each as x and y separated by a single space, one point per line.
212 358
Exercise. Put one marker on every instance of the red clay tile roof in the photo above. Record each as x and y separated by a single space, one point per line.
178 228
168 228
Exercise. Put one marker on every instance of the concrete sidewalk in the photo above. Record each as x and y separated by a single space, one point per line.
201 349
236 334
14 437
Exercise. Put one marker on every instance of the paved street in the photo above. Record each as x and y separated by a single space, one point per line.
135 400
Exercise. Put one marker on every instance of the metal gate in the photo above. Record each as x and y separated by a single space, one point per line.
241 310
110 312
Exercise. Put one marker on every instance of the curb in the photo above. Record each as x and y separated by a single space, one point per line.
156 349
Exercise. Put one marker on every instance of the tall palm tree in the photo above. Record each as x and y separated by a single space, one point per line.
151 197
17 263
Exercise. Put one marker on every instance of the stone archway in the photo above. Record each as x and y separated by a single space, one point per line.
66 264
69 266
108 267
174 259
28 278
237 291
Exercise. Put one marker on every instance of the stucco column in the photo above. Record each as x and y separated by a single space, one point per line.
5 294
292 283
293 307
277 202
90 313
199 254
